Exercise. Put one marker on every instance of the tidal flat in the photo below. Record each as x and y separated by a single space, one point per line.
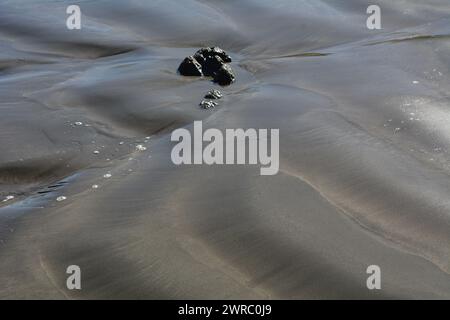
86 176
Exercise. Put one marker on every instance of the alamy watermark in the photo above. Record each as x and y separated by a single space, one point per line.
73 281
374 280
234 146
73 21
373 22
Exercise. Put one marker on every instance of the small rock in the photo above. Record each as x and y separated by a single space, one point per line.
107 175
190 67
61 198
205 104
213 94
95 186
96 152
78 123
225 76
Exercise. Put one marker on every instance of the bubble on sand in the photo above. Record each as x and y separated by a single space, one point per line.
8 198
107 175
96 152
415 82
61 198
95 186
121 142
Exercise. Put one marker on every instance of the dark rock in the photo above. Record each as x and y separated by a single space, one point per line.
224 76
214 51
213 94
200 58
205 104
190 67
222 54
210 62
211 65
211 59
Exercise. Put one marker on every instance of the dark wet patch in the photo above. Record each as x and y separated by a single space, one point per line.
31 171
52 188
116 53
412 38
88 50
57 185
8 65
304 54
43 192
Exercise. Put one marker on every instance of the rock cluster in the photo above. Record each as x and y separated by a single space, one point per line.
209 62
207 103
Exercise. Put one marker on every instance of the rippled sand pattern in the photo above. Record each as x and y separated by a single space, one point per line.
85 171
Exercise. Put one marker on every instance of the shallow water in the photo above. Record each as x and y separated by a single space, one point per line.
364 125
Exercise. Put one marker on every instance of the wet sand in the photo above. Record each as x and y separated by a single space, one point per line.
364 123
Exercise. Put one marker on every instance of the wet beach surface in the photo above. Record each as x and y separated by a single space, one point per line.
364 119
